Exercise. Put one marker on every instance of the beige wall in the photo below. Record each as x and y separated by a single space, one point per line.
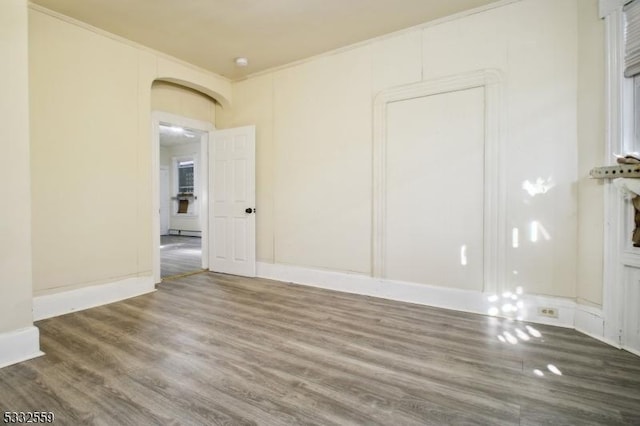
15 215
591 136
179 100
91 150
314 123
92 100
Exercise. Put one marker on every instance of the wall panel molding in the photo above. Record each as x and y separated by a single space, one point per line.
494 185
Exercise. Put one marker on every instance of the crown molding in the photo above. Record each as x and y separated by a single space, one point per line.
119 39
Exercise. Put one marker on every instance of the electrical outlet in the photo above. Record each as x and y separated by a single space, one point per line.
548 312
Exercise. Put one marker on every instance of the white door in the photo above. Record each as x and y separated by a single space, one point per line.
165 200
232 219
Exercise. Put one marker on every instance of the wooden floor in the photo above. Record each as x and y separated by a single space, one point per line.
179 255
215 349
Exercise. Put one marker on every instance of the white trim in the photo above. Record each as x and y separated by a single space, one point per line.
633 351
442 297
590 321
606 7
205 127
52 305
19 345
168 212
494 185
204 167
185 233
619 137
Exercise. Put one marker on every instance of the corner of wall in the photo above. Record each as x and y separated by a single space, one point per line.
19 345
18 336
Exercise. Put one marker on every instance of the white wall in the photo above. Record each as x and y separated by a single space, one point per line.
314 143
18 337
591 136
15 215
434 199
322 167
534 44
91 150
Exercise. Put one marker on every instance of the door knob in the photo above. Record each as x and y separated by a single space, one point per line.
249 210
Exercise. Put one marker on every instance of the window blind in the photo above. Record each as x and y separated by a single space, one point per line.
632 38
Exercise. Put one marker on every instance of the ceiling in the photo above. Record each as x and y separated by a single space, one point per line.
211 33
173 135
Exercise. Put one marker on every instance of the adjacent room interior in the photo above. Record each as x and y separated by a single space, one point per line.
180 199
319 212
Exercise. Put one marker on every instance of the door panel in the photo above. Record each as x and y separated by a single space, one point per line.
232 237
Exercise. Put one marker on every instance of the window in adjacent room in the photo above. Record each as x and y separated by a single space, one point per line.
185 177
185 184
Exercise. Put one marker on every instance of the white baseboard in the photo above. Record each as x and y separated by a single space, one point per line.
52 305
442 297
19 345
184 233
590 321
633 351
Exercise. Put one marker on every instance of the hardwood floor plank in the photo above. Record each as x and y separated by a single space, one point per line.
218 349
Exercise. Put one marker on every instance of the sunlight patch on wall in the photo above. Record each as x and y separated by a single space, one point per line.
540 186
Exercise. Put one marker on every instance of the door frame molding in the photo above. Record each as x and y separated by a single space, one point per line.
494 183
161 168
206 127
618 258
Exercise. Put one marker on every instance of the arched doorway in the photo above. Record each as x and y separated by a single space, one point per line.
226 160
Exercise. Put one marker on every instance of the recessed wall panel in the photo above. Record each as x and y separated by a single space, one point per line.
435 189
